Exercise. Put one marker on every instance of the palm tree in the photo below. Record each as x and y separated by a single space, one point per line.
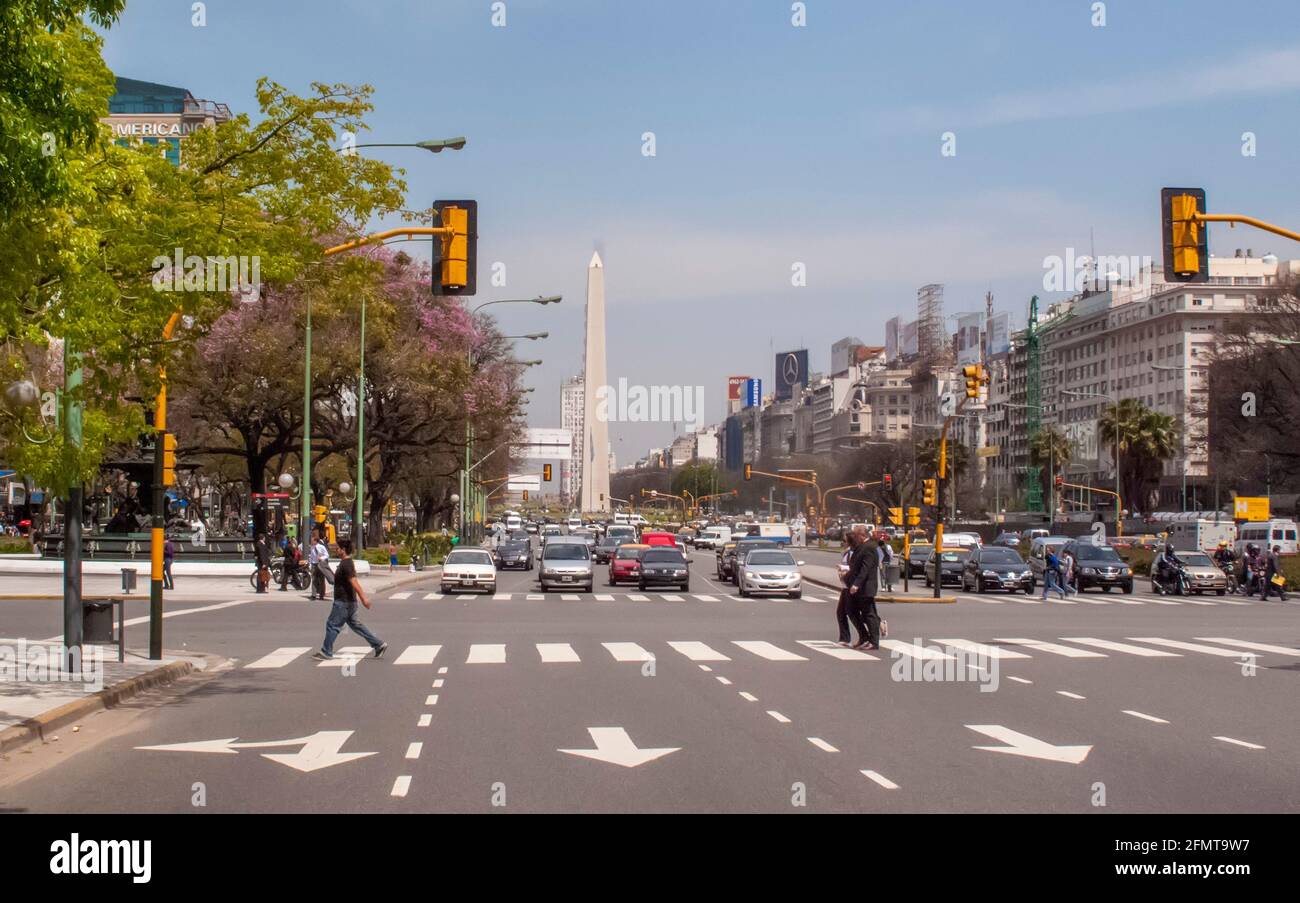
927 456
1049 450
1146 439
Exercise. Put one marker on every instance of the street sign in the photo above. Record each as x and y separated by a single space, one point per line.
862 485
270 501
1253 508
989 451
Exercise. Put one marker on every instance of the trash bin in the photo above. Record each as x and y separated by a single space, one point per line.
893 574
97 622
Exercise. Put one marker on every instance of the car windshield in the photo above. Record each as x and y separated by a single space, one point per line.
769 558
1085 552
513 546
609 542
1195 559
920 552
627 554
469 556
519 534
744 548
1000 556
660 556
955 556
567 551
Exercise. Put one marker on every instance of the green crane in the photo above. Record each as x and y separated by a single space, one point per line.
1033 403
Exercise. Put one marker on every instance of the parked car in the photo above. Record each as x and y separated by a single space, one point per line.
996 567
661 565
737 551
1100 566
770 571
604 549
951 563
565 563
917 555
467 569
625 563
514 554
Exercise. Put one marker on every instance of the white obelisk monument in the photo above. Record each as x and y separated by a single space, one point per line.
595 451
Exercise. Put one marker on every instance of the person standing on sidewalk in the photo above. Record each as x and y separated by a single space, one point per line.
320 565
291 557
169 554
262 548
347 592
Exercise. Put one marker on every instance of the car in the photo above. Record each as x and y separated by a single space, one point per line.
996 567
513 553
566 563
1008 538
658 538
621 532
1203 575
588 536
1101 566
917 554
961 540
469 569
735 552
712 537
953 561
530 527
770 571
625 563
604 549
1038 548
686 538
661 565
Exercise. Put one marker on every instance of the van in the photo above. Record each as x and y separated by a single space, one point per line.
1267 534
713 537
1201 535
778 533
1038 554
514 522
622 517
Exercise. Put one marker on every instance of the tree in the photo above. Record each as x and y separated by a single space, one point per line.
1050 451
927 457
1145 439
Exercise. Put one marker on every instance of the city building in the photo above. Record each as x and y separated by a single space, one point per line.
159 115
572 410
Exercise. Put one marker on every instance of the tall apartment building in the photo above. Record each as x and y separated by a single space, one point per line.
572 413
159 115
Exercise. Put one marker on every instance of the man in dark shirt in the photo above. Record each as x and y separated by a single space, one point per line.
347 591
864 578
1273 568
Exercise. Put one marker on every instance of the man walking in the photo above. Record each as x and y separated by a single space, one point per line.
1052 575
864 575
1273 568
320 562
347 592
290 563
262 547
842 609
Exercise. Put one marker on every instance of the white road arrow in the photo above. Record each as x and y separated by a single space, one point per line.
613 745
319 750
1019 744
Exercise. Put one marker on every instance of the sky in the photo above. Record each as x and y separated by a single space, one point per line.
819 146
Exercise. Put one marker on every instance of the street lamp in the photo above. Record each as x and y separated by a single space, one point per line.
432 146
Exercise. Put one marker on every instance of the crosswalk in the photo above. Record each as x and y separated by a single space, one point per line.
1080 648
1116 599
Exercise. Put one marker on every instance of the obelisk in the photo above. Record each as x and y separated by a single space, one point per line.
595 452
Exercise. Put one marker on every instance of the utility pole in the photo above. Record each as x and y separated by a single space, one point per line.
72 613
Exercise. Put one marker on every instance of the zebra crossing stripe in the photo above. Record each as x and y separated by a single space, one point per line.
535 597
1198 602
982 649
568 597
1155 601
772 653
400 596
604 597
1258 647
1232 602
638 598
465 597
557 652
707 598
502 597
628 652
834 650
1054 648
1188 647
1083 598
667 598
345 656
486 654
914 650
417 655
1123 601
1029 600
698 652
279 658
431 596
1120 647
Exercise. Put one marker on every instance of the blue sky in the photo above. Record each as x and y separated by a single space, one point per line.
777 145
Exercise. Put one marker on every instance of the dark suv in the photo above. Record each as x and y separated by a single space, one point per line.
1098 566
996 567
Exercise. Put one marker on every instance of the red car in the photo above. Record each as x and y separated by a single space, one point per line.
625 563
659 539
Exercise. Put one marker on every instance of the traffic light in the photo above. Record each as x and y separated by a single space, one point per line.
749 471
896 516
913 517
974 378
1060 480
1186 242
169 460
930 492
546 472
887 482
457 265
319 513
525 495
392 508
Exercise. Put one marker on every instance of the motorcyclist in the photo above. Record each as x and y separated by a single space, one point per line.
1167 566
1223 556
1252 567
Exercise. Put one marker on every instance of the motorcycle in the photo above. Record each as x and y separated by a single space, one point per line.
299 578
1175 581
1231 573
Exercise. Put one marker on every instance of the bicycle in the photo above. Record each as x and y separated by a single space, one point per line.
299 579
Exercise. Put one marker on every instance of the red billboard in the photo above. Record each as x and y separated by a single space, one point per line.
736 387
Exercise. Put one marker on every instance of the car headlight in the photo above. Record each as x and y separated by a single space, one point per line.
1125 572
1089 570
1026 573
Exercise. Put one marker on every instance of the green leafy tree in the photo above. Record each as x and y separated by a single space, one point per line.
1146 439
1050 451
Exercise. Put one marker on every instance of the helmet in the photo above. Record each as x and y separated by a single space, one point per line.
1223 543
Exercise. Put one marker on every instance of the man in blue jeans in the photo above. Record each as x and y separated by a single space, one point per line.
347 590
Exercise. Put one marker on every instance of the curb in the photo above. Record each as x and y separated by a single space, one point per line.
50 597
942 600
34 729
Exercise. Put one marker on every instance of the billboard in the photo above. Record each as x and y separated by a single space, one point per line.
891 340
910 339
999 334
968 338
736 387
791 370
753 393
518 482
545 443
1250 508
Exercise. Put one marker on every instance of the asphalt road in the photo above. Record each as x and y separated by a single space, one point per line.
619 701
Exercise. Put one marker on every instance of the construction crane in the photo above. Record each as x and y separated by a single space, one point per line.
1033 403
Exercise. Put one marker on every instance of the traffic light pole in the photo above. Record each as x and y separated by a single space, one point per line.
158 527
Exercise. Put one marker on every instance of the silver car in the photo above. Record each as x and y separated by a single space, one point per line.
566 562
770 571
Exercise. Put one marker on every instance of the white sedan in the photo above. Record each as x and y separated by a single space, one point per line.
467 569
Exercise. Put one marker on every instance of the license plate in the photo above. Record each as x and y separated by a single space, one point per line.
566 579
466 581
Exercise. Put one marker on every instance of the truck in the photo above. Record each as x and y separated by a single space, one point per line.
1201 534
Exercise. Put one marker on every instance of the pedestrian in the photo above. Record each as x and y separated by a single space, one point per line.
1052 575
320 565
292 557
262 548
347 592
392 556
1068 576
886 559
842 610
169 553
1273 578
864 574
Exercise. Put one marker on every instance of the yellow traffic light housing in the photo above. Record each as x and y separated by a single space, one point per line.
930 492
169 460
913 517
455 270
546 472
1184 238
974 379
525 495
896 516
749 471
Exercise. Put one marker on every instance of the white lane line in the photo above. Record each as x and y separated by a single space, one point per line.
1054 648
748 697
880 779
1019 680
401 785
413 751
1188 647
486 654
400 596
707 598
348 655
638 598
433 597
822 744
1069 695
1239 742
279 658
764 649
779 717
1120 647
425 720
628 652
568 597
1145 717
915 650
502 597
431 699
557 652
442 670
722 680
131 622
437 684
983 649
417 655
1226 641
698 652
535 597
835 650
604 597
